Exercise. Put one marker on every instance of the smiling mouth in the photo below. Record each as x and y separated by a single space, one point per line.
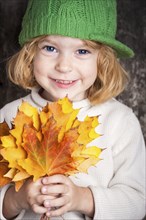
66 82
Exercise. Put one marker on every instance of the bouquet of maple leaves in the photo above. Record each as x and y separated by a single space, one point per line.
46 142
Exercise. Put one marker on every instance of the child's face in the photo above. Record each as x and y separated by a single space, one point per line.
65 66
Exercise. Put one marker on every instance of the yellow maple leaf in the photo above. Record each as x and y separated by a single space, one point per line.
53 141
31 112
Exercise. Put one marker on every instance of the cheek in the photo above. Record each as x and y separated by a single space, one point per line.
91 71
39 67
36 71
94 69
39 62
36 65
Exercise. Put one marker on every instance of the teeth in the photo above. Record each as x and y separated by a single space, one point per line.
64 81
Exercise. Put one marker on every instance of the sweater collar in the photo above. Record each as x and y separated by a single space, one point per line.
41 102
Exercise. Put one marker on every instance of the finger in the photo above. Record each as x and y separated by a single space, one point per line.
41 198
58 178
56 202
38 209
55 189
57 212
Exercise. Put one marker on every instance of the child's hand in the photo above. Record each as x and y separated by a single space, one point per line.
32 197
67 196
28 197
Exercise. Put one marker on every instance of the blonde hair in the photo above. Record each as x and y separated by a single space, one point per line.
111 77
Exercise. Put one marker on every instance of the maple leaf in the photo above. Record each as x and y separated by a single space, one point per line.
4 130
53 141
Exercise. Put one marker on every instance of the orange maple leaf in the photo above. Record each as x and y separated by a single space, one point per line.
53 141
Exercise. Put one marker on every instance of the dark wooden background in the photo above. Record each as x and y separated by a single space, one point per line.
131 30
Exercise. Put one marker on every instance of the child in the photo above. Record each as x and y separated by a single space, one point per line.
69 48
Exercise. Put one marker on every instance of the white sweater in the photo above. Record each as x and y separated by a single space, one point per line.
118 180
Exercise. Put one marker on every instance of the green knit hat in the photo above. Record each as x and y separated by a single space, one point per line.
85 19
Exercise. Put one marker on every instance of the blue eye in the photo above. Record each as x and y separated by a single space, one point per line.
83 51
49 48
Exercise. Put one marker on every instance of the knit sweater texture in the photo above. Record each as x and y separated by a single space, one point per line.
118 179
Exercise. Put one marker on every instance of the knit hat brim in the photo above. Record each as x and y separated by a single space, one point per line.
121 49
85 19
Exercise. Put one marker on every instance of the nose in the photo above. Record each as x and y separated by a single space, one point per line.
64 64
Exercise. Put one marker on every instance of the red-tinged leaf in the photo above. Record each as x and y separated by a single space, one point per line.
3 170
52 141
4 129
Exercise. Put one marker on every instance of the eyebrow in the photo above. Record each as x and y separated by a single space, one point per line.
47 41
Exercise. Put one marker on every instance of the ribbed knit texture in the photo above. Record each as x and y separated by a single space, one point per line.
118 180
84 19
